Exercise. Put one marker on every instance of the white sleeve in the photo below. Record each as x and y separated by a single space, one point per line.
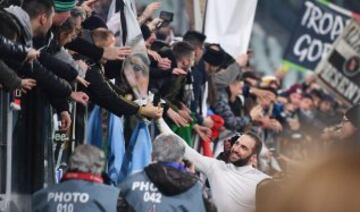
202 163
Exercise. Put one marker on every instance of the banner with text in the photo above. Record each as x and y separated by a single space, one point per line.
339 72
318 27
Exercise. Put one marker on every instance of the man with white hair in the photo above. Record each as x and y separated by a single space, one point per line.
164 185
81 188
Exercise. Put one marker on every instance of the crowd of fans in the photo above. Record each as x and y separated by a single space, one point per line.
232 123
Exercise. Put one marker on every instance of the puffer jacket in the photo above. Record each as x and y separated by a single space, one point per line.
11 50
49 82
8 77
105 94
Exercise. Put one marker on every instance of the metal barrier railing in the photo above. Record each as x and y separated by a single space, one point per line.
15 192
6 128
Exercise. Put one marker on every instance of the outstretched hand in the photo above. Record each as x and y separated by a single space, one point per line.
80 97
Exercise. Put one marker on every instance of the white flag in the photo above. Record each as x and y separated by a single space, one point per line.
229 23
134 39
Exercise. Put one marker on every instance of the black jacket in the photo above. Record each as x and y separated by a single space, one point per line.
11 50
200 78
49 82
64 71
159 77
13 54
169 180
85 48
8 78
58 67
107 95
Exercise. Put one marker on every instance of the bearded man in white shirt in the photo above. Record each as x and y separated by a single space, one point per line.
233 184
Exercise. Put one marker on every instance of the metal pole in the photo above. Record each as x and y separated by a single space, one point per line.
9 152
6 120
204 17
3 152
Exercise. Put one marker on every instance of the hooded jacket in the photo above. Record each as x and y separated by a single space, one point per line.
10 51
162 188
24 20
53 85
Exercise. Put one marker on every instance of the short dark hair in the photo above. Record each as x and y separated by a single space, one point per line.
195 38
258 142
9 28
36 7
182 49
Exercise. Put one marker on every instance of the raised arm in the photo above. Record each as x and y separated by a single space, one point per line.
202 163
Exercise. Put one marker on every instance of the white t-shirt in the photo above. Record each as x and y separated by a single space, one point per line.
233 188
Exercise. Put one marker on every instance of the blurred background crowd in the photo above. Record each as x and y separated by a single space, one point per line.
77 72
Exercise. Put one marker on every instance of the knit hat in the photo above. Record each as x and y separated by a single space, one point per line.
212 56
353 115
64 5
94 22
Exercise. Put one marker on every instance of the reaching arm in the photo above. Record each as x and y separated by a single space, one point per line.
102 93
85 48
8 77
202 163
11 50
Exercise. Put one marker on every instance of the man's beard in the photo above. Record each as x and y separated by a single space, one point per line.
241 162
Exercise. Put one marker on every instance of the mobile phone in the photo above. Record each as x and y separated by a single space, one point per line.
157 99
167 18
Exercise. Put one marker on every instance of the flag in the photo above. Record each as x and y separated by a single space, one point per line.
93 128
140 146
319 24
116 148
121 162
134 38
138 153
229 23
339 71
115 141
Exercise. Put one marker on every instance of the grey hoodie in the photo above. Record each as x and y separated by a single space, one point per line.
223 78
24 20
